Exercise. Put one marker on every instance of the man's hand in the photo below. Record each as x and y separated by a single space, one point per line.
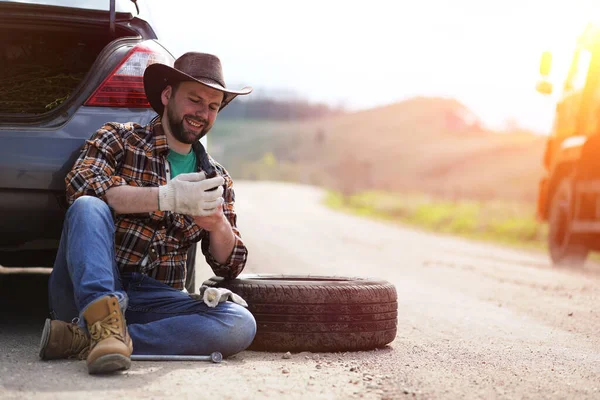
191 194
213 222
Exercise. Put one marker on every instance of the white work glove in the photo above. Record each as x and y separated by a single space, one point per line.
187 194
213 296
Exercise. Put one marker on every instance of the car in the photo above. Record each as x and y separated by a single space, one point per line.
66 68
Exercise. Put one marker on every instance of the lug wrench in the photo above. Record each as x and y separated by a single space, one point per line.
215 357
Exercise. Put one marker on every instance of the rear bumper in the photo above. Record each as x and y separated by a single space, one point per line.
30 218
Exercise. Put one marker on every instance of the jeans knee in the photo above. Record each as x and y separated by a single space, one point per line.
248 325
244 331
88 206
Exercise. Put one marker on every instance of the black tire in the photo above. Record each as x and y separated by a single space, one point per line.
566 249
190 275
317 313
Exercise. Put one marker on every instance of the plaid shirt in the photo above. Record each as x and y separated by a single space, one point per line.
154 243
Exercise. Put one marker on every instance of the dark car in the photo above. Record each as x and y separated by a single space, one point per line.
66 68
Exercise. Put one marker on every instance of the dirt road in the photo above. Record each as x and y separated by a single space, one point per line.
475 320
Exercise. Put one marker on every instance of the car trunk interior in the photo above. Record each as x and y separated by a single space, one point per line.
40 67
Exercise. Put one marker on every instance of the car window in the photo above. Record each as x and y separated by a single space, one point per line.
124 6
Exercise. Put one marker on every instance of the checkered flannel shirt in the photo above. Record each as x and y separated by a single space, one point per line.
154 243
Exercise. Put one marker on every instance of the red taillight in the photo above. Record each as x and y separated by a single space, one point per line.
124 87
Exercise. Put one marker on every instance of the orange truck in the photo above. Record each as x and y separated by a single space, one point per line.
569 193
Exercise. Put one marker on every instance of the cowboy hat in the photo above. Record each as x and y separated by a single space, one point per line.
196 67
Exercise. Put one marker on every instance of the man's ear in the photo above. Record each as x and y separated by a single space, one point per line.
166 94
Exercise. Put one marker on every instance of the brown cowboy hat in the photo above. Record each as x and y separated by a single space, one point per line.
196 67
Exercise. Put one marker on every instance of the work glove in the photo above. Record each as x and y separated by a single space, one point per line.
212 296
191 194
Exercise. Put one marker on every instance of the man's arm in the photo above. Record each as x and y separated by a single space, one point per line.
221 235
132 199
222 245
94 175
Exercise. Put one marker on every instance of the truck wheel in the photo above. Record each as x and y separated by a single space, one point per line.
317 313
566 248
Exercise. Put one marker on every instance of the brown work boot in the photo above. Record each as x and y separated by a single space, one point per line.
111 346
63 340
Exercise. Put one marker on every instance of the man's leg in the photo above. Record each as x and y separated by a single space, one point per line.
86 255
85 283
163 320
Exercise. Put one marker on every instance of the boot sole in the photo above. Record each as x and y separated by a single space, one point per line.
109 363
45 338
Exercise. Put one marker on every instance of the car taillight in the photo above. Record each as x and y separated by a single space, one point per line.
124 87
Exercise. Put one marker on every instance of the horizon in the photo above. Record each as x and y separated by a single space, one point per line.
486 56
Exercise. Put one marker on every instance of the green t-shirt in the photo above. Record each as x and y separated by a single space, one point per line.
182 163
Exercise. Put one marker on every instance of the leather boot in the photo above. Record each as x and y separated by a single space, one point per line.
111 346
63 340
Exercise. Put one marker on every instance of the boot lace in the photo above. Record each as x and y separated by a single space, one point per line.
105 328
80 344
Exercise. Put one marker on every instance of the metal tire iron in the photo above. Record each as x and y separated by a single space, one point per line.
215 357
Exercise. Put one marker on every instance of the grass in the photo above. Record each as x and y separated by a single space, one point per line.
497 221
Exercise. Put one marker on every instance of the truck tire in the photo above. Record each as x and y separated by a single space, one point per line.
317 313
566 248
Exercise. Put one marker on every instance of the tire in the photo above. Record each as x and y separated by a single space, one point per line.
566 249
317 313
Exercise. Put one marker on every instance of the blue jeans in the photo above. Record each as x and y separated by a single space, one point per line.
160 319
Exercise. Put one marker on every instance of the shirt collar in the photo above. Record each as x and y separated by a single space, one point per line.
160 139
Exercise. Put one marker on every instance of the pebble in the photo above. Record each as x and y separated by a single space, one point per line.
285 371
287 356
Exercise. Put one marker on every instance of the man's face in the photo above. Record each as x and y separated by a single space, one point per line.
191 110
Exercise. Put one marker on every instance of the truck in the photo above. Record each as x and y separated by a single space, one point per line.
569 192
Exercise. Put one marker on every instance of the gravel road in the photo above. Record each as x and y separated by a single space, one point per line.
474 320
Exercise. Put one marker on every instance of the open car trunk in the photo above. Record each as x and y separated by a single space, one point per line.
40 69
46 53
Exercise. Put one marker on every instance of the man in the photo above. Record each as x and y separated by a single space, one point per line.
139 197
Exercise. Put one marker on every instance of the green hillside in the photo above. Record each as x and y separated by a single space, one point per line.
426 145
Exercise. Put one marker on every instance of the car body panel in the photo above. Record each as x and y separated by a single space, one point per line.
38 158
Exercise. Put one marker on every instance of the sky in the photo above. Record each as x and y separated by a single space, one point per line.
370 53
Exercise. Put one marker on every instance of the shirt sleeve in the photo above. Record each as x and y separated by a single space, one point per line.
94 171
237 259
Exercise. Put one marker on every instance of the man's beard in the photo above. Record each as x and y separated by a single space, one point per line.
179 132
